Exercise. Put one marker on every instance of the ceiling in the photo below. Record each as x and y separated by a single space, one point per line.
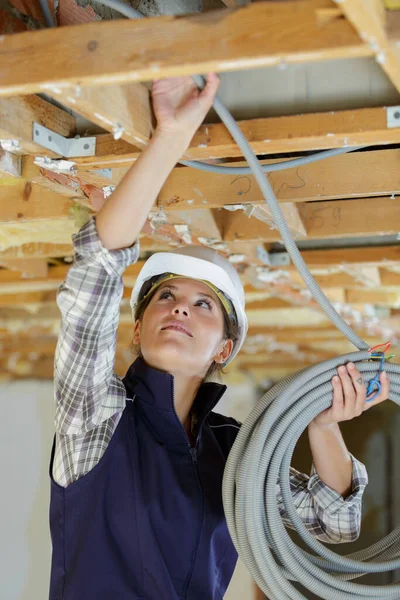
344 211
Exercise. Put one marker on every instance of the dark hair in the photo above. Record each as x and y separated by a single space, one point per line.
231 332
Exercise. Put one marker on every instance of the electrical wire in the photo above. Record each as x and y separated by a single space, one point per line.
48 19
262 452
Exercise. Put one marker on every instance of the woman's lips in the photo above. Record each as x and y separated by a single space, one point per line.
178 327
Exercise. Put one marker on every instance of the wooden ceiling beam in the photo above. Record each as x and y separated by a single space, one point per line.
325 220
37 250
353 175
60 183
18 113
376 297
126 50
37 267
336 257
295 133
369 19
23 201
124 110
349 176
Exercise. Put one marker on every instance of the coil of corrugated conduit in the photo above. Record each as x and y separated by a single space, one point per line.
265 443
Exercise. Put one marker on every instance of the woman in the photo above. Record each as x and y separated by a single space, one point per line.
136 467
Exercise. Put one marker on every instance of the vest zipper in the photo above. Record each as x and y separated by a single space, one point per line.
193 454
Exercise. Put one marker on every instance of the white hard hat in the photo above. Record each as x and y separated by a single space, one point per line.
204 264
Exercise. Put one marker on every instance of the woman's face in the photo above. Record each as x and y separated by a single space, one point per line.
182 329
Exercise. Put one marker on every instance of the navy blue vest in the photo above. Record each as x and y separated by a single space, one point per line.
147 523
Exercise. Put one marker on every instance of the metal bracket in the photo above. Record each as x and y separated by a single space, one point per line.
263 255
273 259
279 259
67 147
393 116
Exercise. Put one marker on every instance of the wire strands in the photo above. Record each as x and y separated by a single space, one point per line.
261 455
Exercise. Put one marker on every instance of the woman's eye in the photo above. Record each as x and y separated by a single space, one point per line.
165 294
206 302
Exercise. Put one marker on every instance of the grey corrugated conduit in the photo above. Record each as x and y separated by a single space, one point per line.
263 450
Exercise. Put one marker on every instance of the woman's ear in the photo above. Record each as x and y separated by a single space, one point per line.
225 352
136 332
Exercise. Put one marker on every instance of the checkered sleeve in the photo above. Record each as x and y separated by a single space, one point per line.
89 396
325 513
87 391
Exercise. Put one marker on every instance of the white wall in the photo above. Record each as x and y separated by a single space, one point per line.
25 444
26 416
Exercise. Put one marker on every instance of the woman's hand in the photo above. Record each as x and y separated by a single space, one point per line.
349 396
180 107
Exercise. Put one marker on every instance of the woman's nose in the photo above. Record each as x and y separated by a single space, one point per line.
181 309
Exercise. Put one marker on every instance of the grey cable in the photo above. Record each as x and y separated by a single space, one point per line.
262 452
280 166
48 19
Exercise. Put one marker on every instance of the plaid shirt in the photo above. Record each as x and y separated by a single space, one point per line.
90 397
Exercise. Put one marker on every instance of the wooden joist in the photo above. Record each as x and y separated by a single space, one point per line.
120 51
297 133
325 220
353 175
18 113
369 19
124 110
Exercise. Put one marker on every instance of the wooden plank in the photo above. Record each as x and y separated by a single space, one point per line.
24 201
365 255
237 225
17 115
37 250
296 133
60 183
342 218
124 50
315 131
354 175
29 268
358 174
376 297
356 278
12 282
369 19
25 298
109 153
322 220
390 278
122 109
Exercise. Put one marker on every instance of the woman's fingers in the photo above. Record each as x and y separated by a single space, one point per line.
359 387
207 95
349 393
337 409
